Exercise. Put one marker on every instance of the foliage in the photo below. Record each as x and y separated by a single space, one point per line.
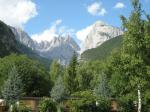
88 73
55 70
59 91
128 68
13 87
82 101
85 76
24 109
34 77
47 105
7 41
70 76
102 88
17 108
85 101
14 108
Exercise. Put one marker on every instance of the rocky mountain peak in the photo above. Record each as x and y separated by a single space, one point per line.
99 23
60 48
99 33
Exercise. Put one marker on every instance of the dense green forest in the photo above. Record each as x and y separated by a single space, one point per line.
87 86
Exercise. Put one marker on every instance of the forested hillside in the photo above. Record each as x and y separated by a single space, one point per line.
7 41
103 51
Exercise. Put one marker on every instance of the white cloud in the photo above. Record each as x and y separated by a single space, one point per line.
64 30
96 9
17 12
48 34
82 34
54 31
119 5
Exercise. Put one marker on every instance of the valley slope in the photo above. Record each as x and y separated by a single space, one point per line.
9 44
104 50
99 32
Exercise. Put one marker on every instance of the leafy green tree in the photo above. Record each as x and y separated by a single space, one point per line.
146 53
13 87
129 67
59 91
133 42
88 73
127 73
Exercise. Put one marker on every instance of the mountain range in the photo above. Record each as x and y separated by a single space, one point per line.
59 48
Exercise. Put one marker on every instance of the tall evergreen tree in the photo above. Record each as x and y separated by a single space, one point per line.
59 91
70 78
102 89
12 89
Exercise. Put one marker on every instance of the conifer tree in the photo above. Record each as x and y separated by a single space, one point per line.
102 89
59 91
70 78
12 89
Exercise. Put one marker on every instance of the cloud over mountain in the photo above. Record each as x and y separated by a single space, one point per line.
48 34
54 31
82 34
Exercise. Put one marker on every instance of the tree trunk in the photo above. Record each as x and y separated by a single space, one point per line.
139 99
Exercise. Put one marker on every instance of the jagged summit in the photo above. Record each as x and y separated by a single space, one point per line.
60 48
99 33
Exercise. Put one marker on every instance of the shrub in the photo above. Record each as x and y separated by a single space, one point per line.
85 101
47 105
15 108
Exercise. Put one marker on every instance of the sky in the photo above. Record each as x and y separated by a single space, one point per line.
45 19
